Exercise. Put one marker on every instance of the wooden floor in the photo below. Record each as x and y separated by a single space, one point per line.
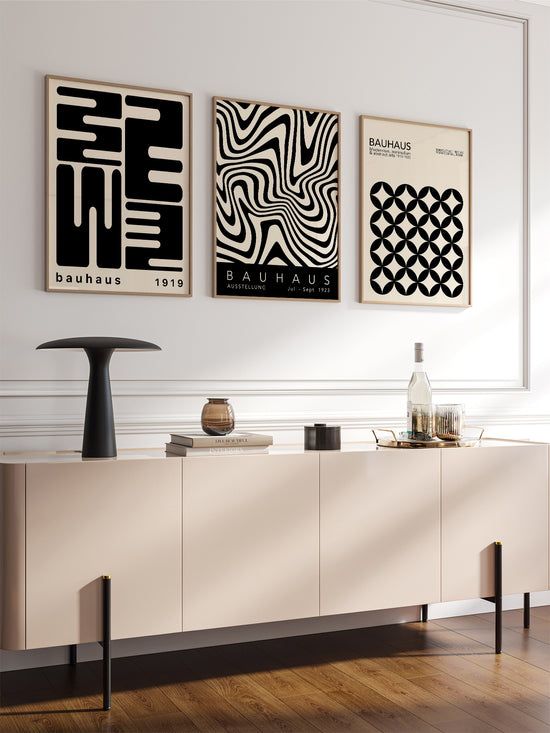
438 676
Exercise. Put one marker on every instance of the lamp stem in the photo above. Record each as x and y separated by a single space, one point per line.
99 426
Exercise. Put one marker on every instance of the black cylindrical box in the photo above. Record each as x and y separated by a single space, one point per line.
321 437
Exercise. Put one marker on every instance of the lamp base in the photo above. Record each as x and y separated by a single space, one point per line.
99 439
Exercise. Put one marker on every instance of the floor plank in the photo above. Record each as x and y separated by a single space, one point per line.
503 665
480 704
377 709
542 611
209 711
328 715
522 646
261 667
512 692
222 671
410 678
513 620
29 705
260 708
79 689
431 708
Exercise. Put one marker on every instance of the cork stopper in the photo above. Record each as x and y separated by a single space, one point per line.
418 352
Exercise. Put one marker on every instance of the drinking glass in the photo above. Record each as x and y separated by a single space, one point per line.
449 421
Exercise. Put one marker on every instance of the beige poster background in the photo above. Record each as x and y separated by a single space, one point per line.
399 152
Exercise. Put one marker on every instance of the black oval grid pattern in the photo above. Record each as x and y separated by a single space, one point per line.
416 240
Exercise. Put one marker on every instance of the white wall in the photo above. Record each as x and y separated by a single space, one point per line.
285 363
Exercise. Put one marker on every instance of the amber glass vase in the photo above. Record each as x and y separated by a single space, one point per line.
217 416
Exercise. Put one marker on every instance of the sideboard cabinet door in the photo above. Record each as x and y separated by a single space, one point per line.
84 520
379 530
490 494
250 539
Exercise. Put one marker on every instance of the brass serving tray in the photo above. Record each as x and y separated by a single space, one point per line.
398 442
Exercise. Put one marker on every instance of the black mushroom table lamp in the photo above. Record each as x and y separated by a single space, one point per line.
99 426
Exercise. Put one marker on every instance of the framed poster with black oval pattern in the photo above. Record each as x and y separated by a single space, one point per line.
415 213
276 201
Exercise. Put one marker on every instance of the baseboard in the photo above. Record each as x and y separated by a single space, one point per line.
465 608
238 634
211 637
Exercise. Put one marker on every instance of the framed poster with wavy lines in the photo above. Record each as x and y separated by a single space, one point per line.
276 201
415 213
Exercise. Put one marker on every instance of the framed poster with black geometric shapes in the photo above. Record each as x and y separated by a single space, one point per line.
276 201
415 213
118 170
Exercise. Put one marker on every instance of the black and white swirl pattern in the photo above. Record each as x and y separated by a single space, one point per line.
276 185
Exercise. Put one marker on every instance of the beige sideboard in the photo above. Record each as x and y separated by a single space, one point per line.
213 541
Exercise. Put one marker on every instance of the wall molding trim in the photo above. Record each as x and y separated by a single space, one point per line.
500 16
468 7
241 387
33 426
341 386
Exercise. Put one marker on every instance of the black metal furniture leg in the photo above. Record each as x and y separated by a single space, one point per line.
526 610
424 612
106 587
72 654
498 597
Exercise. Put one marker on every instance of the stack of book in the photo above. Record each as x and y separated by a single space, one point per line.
199 444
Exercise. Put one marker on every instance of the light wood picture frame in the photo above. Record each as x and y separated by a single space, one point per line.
118 188
276 201
415 213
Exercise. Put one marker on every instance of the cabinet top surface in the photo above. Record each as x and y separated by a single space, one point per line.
158 453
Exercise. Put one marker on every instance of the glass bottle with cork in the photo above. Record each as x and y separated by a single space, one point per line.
419 399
